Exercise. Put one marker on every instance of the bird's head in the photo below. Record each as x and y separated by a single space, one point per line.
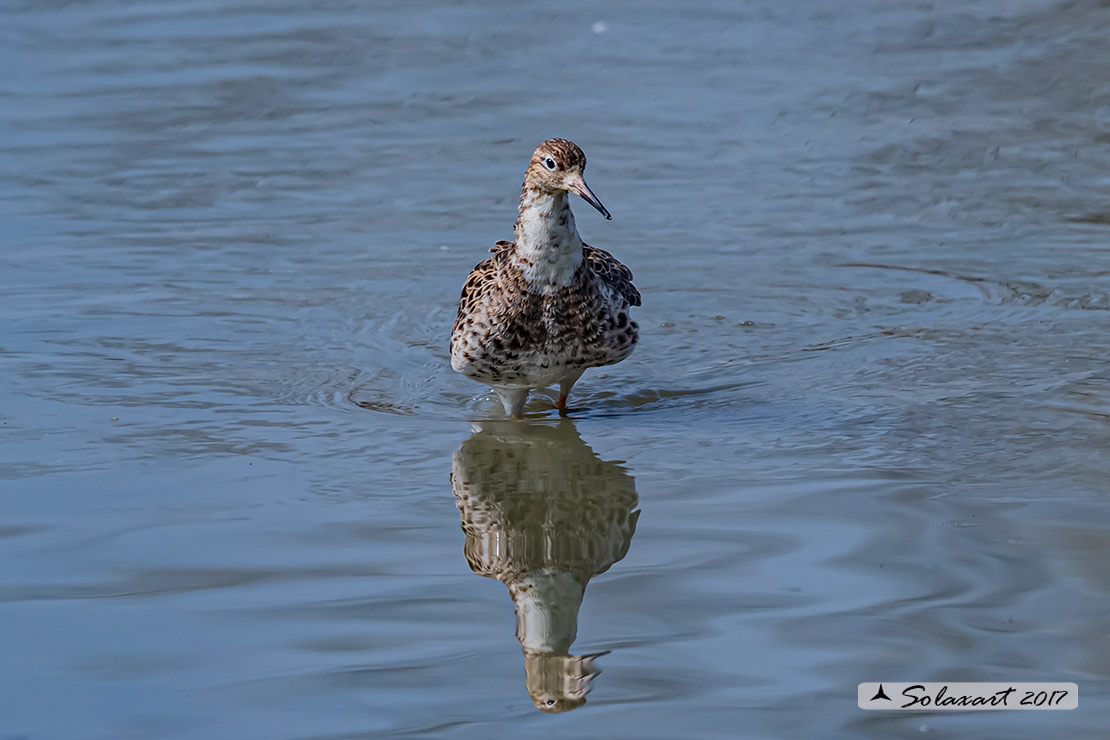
558 164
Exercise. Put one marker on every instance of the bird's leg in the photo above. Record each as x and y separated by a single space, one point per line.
513 399
565 385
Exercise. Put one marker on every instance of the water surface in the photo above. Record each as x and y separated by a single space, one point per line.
863 438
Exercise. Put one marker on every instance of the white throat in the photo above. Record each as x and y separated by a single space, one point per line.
548 247
547 604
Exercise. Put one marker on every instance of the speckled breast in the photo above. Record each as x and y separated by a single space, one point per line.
530 338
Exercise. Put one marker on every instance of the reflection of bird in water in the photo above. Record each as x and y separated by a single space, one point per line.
543 514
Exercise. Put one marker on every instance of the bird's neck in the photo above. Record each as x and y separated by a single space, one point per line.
547 603
548 248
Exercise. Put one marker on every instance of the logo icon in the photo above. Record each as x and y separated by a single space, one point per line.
880 694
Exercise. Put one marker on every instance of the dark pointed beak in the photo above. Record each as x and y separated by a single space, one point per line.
578 185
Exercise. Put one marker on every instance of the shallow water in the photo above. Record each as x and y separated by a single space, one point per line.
863 438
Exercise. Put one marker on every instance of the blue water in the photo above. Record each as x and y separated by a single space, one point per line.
863 437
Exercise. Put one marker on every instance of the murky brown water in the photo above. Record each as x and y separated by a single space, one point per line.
864 436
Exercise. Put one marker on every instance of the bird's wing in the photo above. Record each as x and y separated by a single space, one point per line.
612 273
482 279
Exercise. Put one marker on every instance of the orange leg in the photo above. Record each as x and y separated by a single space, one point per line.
564 391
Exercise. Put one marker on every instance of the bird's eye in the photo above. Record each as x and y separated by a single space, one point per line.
549 163
550 702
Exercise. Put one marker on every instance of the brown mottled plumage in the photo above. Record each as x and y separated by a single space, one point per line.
546 306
